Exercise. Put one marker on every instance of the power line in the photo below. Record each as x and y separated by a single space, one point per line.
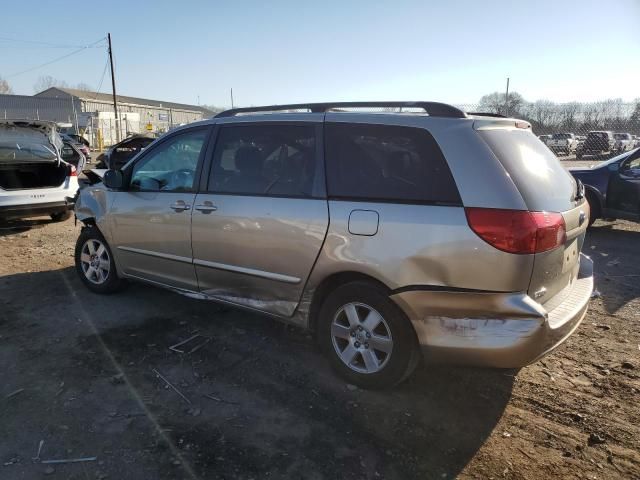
42 44
55 59
104 72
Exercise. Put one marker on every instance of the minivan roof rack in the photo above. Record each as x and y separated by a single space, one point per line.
433 109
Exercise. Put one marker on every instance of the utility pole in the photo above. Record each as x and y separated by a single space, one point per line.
113 86
506 100
232 97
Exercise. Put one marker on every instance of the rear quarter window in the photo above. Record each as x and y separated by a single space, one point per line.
537 173
387 163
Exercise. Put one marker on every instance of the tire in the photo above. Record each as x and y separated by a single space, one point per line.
347 338
93 252
594 209
61 216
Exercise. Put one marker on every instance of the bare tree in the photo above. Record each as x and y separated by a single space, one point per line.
568 115
5 88
85 87
47 81
497 102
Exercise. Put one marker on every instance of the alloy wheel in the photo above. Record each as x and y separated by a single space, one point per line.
361 337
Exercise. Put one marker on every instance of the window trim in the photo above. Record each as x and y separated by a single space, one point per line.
363 199
162 141
318 192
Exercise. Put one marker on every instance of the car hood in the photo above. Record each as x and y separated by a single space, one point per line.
29 141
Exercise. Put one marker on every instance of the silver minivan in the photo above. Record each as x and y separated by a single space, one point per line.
389 229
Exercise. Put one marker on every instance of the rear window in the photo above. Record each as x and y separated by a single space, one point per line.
561 136
542 181
387 163
597 135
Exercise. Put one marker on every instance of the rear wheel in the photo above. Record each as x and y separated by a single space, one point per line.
95 264
366 337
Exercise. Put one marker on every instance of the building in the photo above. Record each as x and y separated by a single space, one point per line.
92 112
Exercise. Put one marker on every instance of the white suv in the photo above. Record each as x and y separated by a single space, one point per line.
34 178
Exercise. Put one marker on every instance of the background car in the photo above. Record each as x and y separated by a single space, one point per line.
545 139
77 145
34 178
612 188
624 142
120 153
563 142
598 142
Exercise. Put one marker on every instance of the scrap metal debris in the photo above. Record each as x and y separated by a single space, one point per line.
37 457
171 385
197 347
71 460
13 394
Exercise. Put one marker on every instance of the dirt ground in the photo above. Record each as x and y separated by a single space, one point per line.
81 374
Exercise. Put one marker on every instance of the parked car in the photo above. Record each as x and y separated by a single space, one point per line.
120 153
80 139
77 145
612 188
597 143
623 142
34 178
545 139
636 141
371 229
566 143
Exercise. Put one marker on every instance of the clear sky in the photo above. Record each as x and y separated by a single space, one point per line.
296 51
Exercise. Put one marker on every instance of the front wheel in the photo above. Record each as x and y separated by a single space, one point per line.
368 340
95 264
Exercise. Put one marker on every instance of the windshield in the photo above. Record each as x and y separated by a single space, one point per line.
25 152
560 136
620 136
597 135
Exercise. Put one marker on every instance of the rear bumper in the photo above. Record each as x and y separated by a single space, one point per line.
506 330
35 209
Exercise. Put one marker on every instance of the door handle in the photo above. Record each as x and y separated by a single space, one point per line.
180 206
206 207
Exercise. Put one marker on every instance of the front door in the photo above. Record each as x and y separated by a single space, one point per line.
259 227
151 220
623 193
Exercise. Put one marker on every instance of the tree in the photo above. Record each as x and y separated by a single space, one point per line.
496 102
85 87
5 88
47 81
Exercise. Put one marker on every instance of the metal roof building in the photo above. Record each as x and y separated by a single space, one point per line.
92 112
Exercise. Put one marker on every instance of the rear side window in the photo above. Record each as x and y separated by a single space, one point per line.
542 181
387 163
273 160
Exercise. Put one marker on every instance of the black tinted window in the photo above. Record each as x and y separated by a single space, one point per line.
388 163
264 160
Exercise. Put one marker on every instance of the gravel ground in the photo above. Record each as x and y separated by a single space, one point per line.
81 373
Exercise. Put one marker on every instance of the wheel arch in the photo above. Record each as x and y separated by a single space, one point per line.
594 193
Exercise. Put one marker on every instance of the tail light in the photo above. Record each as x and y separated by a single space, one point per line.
518 231
72 171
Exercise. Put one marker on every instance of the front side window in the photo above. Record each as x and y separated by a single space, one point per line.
387 163
276 160
171 165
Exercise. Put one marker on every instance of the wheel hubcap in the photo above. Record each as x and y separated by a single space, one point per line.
94 260
361 337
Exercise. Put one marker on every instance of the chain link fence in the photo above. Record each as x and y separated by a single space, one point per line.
575 130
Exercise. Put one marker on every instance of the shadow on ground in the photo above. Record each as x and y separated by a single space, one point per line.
616 255
258 396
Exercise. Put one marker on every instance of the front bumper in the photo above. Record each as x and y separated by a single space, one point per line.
505 330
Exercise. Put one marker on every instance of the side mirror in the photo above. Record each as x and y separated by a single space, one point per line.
614 167
113 179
